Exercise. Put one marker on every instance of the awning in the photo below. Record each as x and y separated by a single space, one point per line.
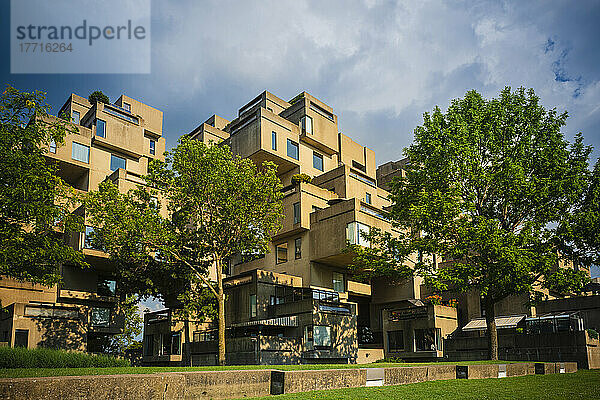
479 324
281 321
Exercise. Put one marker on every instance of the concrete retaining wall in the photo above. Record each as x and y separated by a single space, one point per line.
250 383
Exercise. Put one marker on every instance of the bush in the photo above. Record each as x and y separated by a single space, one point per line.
592 333
20 357
301 178
98 96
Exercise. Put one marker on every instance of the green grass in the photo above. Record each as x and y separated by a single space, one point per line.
20 357
39 372
582 385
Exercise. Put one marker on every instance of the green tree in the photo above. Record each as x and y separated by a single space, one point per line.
217 205
133 326
98 97
35 203
487 184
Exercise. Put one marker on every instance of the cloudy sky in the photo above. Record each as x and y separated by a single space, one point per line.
379 64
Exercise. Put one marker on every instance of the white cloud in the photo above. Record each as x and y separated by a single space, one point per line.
380 64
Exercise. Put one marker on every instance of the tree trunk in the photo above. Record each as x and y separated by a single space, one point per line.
492 333
221 309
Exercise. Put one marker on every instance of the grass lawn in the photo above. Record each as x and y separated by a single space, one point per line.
584 384
38 372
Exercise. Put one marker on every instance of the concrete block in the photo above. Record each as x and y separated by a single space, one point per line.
441 372
304 381
226 384
545 368
403 375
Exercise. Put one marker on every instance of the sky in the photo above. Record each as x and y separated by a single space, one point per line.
379 64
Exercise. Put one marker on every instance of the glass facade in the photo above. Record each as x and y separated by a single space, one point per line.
355 231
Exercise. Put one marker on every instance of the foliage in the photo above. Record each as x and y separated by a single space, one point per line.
98 97
434 299
297 178
487 184
592 333
21 357
217 205
134 323
34 202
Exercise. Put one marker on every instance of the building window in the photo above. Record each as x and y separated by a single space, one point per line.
338 282
80 152
88 241
107 287
75 117
322 336
292 149
152 147
21 337
281 253
127 107
100 316
274 140
117 162
148 345
354 233
252 306
306 124
298 248
204 336
395 340
318 161
52 146
425 340
368 198
100 128
296 213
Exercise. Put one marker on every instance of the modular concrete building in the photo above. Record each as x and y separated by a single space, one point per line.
299 303
113 141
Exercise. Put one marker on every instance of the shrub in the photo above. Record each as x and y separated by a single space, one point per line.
592 333
20 357
301 178
98 96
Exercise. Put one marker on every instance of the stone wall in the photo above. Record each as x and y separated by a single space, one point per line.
249 383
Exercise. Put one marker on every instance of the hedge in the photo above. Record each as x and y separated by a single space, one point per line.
21 357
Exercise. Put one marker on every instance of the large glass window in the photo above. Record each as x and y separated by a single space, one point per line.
80 152
281 253
117 162
368 198
296 213
292 149
75 117
100 316
318 161
425 340
322 336
100 128
298 248
52 146
127 106
306 124
152 147
354 236
395 340
148 345
88 242
252 306
274 140
338 282
107 287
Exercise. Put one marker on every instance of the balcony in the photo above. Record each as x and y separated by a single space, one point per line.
357 288
86 296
